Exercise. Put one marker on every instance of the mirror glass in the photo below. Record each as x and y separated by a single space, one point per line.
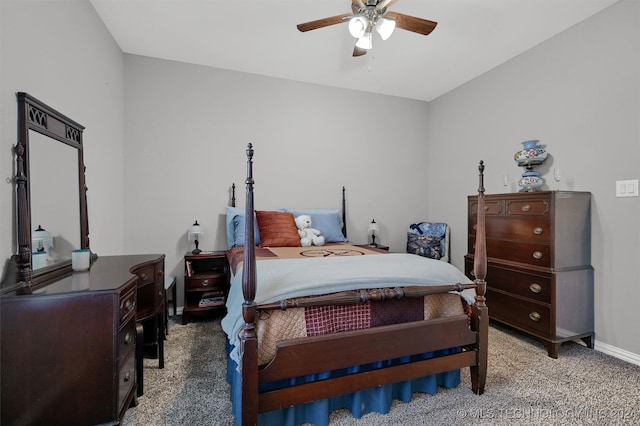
53 168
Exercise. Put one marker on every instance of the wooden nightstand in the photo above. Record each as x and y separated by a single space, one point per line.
206 283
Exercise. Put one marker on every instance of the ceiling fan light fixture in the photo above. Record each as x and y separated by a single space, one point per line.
358 26
365 42
385 27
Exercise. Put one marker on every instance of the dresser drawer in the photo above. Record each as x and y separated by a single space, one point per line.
127 305
126 379
521 313
127 339
528 207
146 275
206 282
525 285
534 230
532 254
491 208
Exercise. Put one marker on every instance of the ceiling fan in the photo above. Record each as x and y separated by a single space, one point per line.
368 15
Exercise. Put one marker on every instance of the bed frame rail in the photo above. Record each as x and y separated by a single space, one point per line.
311 355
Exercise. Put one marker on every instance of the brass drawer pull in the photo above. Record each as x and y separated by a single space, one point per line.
127 338
535 287
486 208
526 208
534 316
538 231
143 276
205 283
128 305
537 255
475 227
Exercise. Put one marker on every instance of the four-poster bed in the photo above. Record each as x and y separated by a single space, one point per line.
371 357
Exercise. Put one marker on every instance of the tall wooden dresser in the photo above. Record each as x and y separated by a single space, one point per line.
539 276
68 350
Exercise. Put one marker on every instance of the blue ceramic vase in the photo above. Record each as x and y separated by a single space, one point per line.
528 157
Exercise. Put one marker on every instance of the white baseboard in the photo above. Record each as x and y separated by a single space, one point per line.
617 352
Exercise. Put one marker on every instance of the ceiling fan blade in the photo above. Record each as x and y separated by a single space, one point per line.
411 23
321 23
384 3
358 51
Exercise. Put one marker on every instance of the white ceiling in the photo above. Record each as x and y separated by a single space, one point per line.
260 37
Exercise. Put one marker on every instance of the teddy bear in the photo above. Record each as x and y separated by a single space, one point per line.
308 235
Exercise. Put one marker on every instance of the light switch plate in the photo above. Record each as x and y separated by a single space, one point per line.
627 188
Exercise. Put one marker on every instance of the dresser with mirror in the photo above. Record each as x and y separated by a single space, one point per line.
68 338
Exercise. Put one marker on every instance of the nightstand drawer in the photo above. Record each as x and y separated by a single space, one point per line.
206 282
532 316
525 285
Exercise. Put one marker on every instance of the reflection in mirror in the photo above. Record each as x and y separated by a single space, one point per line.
54 201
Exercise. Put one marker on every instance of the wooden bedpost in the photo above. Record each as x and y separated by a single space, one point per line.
233 194
248 337
481 314
344 214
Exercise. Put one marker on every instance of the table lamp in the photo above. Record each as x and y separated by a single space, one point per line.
373 230
194 233
42 240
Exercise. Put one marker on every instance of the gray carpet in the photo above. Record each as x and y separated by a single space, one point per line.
524 386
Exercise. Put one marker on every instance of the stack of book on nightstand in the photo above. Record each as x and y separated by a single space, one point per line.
214 298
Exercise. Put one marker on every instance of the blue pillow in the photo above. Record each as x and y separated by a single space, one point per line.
328 222
235 227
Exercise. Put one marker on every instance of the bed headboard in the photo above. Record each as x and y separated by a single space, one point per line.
343 212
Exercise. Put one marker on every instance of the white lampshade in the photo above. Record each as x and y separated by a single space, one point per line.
42 239
358 26
365 42
385 27
373 228
195 232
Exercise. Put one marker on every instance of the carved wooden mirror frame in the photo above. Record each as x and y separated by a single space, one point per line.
36 116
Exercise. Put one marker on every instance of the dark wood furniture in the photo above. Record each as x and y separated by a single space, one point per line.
309 355
170 286
36 120
539 263
151 307
68 353
376 247
206 276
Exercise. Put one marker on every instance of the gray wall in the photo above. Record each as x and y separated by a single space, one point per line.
165 140
579 93
187 128
61 53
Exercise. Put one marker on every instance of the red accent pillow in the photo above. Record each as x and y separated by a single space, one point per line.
277 229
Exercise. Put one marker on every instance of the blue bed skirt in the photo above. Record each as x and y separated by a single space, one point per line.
376 400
